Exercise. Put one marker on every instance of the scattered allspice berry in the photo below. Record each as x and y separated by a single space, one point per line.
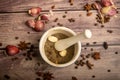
105 45
109 31
71 20
88 7
93 76
64 16
53 6
56 19
7 77
74 78
0 44
71 2
59 24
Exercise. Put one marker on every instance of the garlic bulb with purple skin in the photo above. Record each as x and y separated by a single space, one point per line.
109 10
107 2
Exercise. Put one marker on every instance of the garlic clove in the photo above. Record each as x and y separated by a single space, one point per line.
110 10
31 23
34 11
44 17
63 53
39 26
52 38
105 10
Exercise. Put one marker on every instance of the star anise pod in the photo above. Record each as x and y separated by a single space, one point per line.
23 45
48 76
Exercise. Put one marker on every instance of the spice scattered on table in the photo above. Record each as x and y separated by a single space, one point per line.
23 45
71 2
45 75
105 45
64 16
109 70
14 59
71 20
16 37
74 78
85 61
53 6
96 55
93 76
0 44
56 19
105 8
109 31
7 77
59 24
116 52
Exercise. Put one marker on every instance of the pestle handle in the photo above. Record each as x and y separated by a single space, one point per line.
65 43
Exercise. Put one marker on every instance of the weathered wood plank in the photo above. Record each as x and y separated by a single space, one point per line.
24 5
13 25
20 68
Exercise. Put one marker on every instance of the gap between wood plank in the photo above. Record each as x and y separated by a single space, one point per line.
48 11
97 45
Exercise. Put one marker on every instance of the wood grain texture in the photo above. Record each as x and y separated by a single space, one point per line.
13 15
24 5
13 25
22 69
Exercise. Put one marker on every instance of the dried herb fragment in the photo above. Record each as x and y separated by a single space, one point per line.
105 45
74 78
23 45
96 55
89 65
87 7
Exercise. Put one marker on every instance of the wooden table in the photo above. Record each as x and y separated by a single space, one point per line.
13 15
